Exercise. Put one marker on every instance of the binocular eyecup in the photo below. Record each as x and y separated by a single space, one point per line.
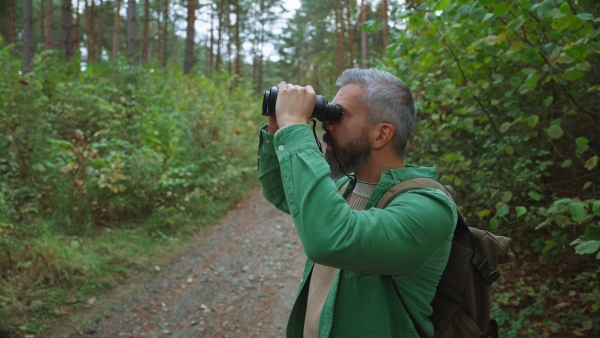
323 110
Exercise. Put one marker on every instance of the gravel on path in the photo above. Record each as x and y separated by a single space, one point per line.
238 280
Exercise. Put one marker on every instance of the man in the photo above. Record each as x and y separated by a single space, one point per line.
352 247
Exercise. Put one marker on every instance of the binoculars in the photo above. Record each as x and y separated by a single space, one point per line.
323 110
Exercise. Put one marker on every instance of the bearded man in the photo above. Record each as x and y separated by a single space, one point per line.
359 256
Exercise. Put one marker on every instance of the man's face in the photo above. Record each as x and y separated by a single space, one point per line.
350 135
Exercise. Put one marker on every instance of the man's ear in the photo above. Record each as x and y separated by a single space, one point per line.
382 134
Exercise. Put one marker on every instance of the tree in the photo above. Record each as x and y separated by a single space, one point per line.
115 41
146 39
350 34
49 24
189 40
89 30
165 34
12 22
384 20
28 46
363 35
66 22
131 31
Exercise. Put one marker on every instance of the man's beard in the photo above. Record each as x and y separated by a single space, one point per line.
349 157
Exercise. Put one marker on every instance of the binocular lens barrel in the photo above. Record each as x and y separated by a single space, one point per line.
323 110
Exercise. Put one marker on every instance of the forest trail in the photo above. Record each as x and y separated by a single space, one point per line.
239 279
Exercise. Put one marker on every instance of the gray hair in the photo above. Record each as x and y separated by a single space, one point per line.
387 99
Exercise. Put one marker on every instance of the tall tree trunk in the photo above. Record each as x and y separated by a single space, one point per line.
12 22
75 36
99 30
189 39
165 33
89 30
132 31
219 32
49 24
115 42
386 29
66 19
350 33
238 43
212 42
340 61
363 35
42 22
27 35
146 39
230 38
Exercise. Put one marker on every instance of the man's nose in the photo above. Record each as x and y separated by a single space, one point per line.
327 126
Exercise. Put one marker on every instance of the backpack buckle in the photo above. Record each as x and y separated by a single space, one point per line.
487 271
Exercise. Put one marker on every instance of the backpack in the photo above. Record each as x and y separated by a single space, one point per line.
461 306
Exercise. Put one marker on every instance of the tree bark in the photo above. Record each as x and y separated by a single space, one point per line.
386 29
66 19
340 60
99 30
12 19
189 39
165 33
211 42
75 36
146 39
363 35
230 38
350 33
132 31
42 22
238 43
49 24
89 30
28 46
115 42
219 32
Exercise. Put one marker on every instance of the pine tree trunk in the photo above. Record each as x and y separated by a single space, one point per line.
66 20
12 19
212 42
115 42
219 32
363 36
238 43
28 46
49 24
89 30
350 33
384 19
165 34
99 30
189 40
75 36
42 22
132 31
230 38
146 31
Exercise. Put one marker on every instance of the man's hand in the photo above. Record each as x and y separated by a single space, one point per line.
294 104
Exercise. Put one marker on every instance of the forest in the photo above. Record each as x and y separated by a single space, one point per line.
125 126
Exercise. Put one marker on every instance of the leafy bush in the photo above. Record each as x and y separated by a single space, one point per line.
508 92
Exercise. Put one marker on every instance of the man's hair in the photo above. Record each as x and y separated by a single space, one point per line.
387 99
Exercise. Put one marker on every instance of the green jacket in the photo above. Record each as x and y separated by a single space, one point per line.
410 240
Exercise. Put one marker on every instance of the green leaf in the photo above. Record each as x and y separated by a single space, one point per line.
535 195
592 232
483 213
565 8
478 13
550 244
441 5
566 163
506 197
494 223
587 247
572 75
516 23
596 208
582 145
578 211
504 127
532 120
544 8
521 211
502 209
555 131
562 220
591 163
585 16
491 40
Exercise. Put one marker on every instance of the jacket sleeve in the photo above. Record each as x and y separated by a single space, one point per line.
397 240
269 172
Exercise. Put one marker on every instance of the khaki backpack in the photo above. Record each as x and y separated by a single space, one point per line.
461 306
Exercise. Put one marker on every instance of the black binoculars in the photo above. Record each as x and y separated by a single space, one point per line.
323 110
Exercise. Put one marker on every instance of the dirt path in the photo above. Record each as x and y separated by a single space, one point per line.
238 280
